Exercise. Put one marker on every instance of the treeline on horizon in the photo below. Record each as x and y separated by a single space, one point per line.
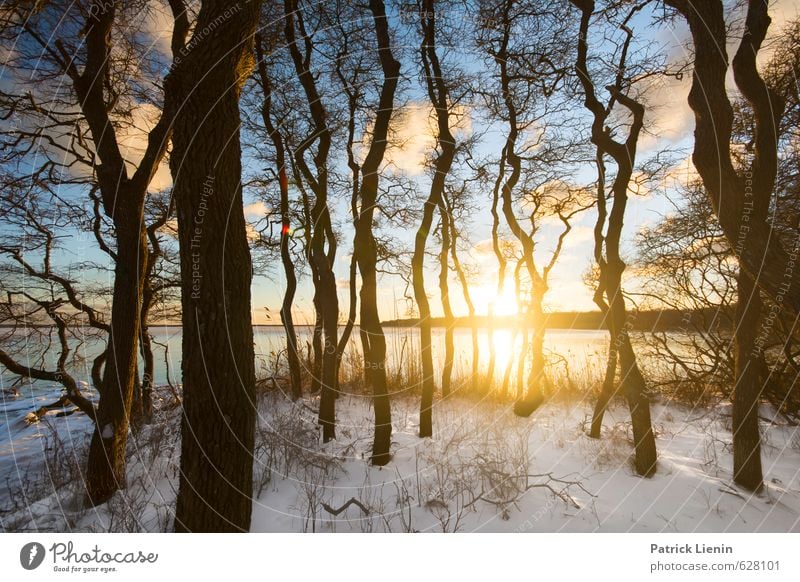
639 320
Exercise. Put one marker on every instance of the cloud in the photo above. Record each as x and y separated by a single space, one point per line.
681 174
256 210
252 233
413 138
132 139
577 236
484 249
668 116
156 24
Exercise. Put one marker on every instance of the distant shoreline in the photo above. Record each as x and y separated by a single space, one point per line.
664 320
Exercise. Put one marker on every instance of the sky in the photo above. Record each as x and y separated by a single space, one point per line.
669 123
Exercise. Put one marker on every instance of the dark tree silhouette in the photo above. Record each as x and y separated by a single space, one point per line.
326 301
445 154
218 424
624 156
78 50
741 198
279 146
365 245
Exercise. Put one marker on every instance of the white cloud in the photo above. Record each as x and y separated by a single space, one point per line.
412 137
256 210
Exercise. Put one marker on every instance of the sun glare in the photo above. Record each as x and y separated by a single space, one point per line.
487 299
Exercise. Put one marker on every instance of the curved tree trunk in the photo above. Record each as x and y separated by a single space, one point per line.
535 346
146 349
353 91
624 155
292 353
632 382
607 390
326 299
365 245
438 95
423 305
316 347
741 200
444 290
218 363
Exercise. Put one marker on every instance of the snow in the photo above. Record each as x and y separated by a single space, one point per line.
484 470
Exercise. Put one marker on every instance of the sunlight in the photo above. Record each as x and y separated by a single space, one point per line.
505 344
486 298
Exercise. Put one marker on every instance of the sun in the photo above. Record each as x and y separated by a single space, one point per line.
486 299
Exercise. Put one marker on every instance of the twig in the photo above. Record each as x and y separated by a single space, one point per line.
352 501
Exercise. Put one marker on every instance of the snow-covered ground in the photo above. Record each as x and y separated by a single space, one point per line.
484 470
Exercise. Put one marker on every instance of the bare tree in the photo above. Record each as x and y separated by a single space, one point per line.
438 94
353 71
520 41
365 243
279 147
322 251
46 316
459 209
741 198
75 44
612 267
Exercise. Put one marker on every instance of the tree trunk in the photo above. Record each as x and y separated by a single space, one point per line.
329 303
632 381
423 305
438 95
344 339
148 359
624 155
292 354
468 300
741 200
444 290
316 348
105 472
365 246
492 351
747 392
326 299
376 355
606 392
218 365
535 396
